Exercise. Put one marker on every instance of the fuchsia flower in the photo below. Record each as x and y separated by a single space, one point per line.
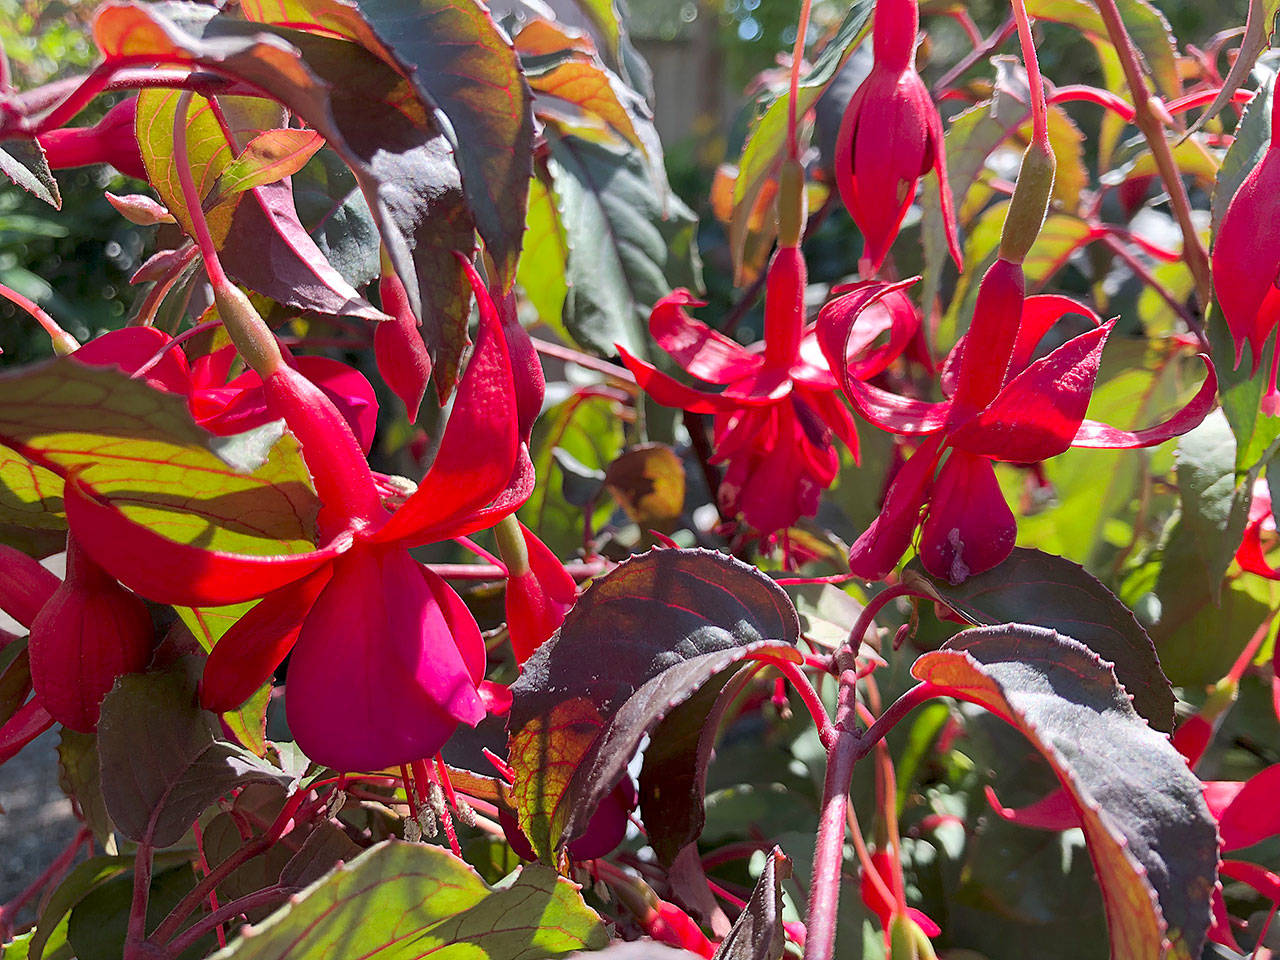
386 659
111 140
889 871
1246 262
227 406
398 347
1002 405
775 418
891 135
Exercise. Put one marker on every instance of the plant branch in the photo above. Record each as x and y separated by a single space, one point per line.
1152 126
267 896
828 855
137 931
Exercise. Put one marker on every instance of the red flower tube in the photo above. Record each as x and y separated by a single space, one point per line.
111 140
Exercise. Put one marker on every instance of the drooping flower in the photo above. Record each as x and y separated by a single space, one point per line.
539 592
1246 262
1003 404
111 140
890 136
777 414
89 632
889 873
387 659
398 346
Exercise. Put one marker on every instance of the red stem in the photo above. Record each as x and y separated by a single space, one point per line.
250 901
191 197
137 932
797 58
52 874
1039 110
850 747
812 702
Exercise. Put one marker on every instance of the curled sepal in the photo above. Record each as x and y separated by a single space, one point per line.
485 418
166 571
1101 435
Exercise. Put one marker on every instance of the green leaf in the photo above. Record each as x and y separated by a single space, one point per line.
466 66
248 723
136 446
1047 591
399 901
31 517
674 619
267 158
545 261
1214 507
15 678
75 886
162 760
80 778
627 248
1151 836
23 162
98 924
1252 138
335 213
767 138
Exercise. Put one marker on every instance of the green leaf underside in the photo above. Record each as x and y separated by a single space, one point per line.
1151 837
402 901
139 448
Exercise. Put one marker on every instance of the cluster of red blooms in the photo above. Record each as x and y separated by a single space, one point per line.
360 597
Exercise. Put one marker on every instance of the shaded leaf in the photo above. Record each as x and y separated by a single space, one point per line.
97 926
162 760
1047 591
75 886
673 780
333 210
674 619
1214 507
248 724
31 517
136 446
408 900
15 678
1252 137
627 249
757 934
81 780
648 482
1150 834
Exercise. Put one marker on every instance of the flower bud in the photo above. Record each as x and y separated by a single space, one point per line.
398 347
90 632
1030 202
539 591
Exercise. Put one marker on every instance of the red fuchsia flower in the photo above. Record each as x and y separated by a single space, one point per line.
778 411
882 900
1251 555
1246 262
111 140
218 402
1002 404
667 923
91 631
386 658
891 135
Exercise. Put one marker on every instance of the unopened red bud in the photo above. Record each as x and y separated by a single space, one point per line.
90 632
398 347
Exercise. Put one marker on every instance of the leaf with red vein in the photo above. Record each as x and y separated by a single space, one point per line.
140 449
413 900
